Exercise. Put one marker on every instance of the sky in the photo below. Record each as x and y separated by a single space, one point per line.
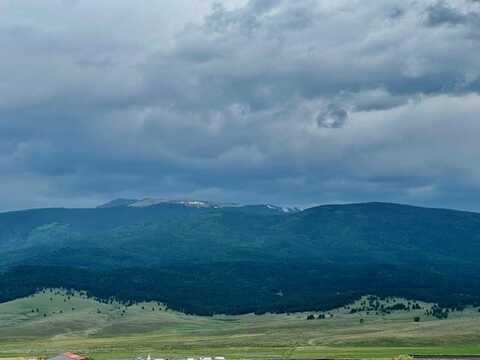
290 102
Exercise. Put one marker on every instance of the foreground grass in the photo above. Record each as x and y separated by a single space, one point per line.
50 323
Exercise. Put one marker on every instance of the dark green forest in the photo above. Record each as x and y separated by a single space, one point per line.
244 259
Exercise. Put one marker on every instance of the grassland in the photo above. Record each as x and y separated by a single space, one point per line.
53 322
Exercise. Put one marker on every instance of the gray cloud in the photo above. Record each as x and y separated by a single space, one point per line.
442 13
333 117
446 13
294 102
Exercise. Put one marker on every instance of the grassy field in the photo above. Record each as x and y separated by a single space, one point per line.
52 322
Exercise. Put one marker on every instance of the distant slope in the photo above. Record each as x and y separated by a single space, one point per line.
55 312
205 259
48 323
118 202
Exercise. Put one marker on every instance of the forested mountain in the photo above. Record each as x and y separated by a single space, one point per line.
209 258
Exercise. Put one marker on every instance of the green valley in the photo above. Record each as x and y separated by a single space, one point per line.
67 321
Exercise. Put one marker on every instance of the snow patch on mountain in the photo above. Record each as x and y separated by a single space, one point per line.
146 202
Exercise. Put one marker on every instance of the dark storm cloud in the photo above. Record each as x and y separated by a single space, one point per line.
444 13
293 102
333 117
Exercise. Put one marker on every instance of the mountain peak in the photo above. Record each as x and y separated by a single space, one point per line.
150 201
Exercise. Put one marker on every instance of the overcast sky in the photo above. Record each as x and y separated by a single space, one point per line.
291 102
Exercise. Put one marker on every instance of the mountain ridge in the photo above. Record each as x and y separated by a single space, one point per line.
318 257
150 201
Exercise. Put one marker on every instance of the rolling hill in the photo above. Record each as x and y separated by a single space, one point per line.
205 258
48 322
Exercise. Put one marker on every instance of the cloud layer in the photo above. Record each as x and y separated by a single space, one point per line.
296 102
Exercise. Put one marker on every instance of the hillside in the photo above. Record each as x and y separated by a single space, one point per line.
204 259
54 320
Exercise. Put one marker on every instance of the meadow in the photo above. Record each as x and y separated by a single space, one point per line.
55 321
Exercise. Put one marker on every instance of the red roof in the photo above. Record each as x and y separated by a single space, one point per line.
74 356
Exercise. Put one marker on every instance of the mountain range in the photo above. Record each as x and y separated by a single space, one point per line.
204 257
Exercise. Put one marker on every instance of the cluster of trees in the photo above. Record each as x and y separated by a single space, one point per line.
319 316
379 305
438 312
